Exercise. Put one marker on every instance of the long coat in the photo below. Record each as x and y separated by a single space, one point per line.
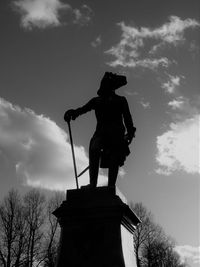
113 121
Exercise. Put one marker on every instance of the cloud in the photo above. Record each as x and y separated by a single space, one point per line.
187 252
97 42
179 147
144 63
194 48
40 13
184 108
153 63
177 103
82 16
132 50
146 105
39 149
47 13
171 85
172 32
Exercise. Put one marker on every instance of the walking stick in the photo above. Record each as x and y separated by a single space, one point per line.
73 154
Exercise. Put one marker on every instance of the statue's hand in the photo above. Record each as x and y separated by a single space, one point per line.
129 136
69 115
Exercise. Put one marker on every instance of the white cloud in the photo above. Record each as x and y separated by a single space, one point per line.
153 63
39 149
148 63
97 41
83 15
184 107
177 103
173 31
171 85
131 48
194 48
146 105
187 252
40 13
179 147
47 13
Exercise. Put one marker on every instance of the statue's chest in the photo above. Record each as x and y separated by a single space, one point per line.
108 108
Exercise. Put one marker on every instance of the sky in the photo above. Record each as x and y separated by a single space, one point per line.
53 55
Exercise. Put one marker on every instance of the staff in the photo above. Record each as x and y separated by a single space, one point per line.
73 154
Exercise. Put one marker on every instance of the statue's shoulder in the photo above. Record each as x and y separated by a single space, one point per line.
95 102
95 99
120 98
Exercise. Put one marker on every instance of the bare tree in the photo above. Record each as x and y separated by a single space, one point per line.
153 248
143 230
53 231
29 234
155 245
19 249
161 253
34 205
11 230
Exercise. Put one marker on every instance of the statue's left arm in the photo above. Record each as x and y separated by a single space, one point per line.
128 121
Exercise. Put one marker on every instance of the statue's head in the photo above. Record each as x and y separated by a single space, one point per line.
111 82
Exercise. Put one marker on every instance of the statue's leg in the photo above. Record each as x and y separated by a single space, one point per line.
113 171
94 160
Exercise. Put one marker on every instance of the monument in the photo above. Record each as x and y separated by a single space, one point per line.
91 218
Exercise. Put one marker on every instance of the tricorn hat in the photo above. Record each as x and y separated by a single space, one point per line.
111 82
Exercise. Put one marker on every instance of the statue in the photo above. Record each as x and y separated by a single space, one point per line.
114 131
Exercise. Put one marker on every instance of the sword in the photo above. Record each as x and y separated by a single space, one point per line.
87 168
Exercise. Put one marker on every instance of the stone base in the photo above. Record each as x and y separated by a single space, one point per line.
90 221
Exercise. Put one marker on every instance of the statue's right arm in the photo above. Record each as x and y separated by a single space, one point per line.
74 113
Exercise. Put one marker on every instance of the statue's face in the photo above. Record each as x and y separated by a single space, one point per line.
114 81
111 82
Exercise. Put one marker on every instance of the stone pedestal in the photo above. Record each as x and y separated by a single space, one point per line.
90 221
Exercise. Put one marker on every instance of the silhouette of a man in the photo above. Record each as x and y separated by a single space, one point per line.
114 131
